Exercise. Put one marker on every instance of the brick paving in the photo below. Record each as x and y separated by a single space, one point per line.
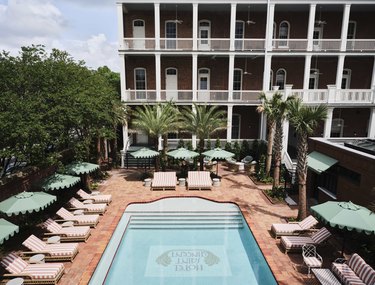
125 187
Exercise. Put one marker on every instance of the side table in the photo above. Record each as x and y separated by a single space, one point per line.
67 224
88 201
147 182
16 281
216 182
78 212
54 239
37 258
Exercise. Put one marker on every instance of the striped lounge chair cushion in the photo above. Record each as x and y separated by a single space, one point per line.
321 235
14 264
81 219
362 269
346 274
164 179
312 261
79 231
280 229
96 198
89 207
34 244
59 249
44 270
308 222
52 226
199 179
294 242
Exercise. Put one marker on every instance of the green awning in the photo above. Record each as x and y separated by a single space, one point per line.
59 181
182 153
79 168
144 153
7 229
319 162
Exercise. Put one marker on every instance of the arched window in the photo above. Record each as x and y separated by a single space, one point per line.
204 34
284 34
171 71
280 78
138 23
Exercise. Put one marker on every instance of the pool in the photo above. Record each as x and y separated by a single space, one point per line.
182 241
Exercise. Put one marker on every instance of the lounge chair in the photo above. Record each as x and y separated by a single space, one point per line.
199 180
89 208
80 220
80 233
45 273
293 228
164 181
296 242
100 198
52 252
354 271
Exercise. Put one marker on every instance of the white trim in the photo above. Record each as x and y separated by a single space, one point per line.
347 74
281 69
286 40
135 81
314 73
169 40
208 39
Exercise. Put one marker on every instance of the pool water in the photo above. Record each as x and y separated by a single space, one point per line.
190 246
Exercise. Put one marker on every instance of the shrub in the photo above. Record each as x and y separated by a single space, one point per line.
181 143
237 150
208 144
245 149
228 147
217 143
277 193
189 145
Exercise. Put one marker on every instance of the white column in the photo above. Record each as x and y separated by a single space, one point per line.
230 77
269 26
331 93
266 72
157 25
232 25
195 26
120 25
340 69
288 92
371 125
328 123
125 139
373 74
124 95
310 29
160 143
157 76
229 123
344 27
306 75
194 137
263 127
194 77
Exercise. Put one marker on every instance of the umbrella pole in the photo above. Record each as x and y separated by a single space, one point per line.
343 245
217 168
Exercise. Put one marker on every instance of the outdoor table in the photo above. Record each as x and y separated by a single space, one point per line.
94 193
16 281
78 212
67 224
53 239
147 182
325 276
37 258
181 181
216 182
88 201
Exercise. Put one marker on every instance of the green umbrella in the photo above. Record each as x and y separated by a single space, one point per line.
218 153
182 153
144 153
79 168
59 181
346 215
26 202
7 229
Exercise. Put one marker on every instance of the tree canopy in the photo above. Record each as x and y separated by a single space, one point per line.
50 102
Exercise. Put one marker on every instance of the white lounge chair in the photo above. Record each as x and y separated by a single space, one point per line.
45 273
293 228
199 180
164 181
52 252
296 242
79 220
89 208
80 233
99 198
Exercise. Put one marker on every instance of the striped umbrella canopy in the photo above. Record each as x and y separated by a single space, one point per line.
26 202
182 153
7 230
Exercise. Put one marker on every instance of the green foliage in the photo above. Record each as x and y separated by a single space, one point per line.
236 150
217 143
245 149
50 102
261 171
228 147
189 145
208 144
181 143
254 150
277 193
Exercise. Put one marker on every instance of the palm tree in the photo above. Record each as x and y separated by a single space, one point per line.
280 114
269 107
305 119
203 121
156 120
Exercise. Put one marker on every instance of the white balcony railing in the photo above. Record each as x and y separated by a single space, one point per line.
354 96
312 95
223 44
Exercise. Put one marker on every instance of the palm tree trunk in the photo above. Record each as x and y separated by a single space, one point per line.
98 150
165 149
157 158
302 174
201 150
278 149
269 147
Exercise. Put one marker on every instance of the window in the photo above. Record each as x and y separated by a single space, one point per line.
352 27
138 23
171 71
346 75
237 83
171 34
204 79
236 124
328 180
204 34
350 175
283 34
314 78
239 34
317 36
280 78
140 82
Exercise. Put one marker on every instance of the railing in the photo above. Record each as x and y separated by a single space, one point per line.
354 96
177 95
223 44
312 95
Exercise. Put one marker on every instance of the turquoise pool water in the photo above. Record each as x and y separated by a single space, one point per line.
159 245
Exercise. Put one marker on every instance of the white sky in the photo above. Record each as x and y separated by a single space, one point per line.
86 29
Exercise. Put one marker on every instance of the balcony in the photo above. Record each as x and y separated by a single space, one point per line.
331 96
223 44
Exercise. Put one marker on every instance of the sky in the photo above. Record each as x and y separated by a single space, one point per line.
86 29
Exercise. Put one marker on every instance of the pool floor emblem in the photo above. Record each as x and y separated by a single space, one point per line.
194 258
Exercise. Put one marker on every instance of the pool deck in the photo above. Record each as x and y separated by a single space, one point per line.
238 188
